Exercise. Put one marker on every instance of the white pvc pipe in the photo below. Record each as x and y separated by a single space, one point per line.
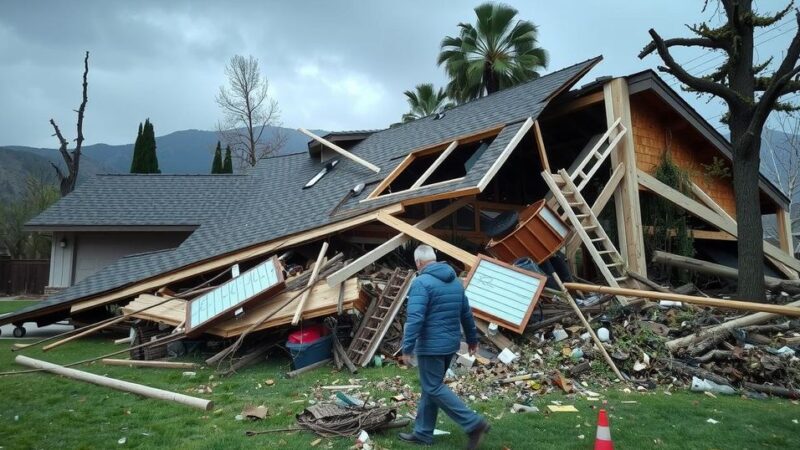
126 386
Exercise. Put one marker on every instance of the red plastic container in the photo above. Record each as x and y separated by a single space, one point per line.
307 335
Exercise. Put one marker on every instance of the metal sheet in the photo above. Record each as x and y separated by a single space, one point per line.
504 294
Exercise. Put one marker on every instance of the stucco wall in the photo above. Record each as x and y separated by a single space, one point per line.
88 252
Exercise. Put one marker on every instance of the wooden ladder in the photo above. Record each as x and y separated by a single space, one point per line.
585 223
379 317
592 161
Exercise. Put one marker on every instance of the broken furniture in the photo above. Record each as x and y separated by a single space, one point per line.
539 234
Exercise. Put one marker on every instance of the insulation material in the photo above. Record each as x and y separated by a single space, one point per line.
503 294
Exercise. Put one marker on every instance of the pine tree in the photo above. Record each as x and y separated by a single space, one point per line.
227 167
216 166
136 161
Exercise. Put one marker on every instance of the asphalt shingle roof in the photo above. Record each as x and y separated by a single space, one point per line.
270 202
139 199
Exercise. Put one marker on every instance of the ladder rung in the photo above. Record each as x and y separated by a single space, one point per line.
590 227
598 239
575 204
360 352
614 264
581 216
371 329
605 252
621 278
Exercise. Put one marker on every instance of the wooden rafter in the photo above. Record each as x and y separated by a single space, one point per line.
439 160
466 258
387 247
498 163
340 150
540 146
709 215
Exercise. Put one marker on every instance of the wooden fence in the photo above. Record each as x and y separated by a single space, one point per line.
23 276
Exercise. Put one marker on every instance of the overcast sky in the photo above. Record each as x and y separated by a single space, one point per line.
331 65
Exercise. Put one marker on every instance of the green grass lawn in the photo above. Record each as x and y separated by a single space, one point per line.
7 306
46 411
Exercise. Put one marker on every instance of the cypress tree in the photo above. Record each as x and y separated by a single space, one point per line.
227 167
150 164
136 161
216 166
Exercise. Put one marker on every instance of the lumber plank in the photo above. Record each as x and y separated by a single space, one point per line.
540 146
512 144
387 247
340 150
702 301
156 364
311 281
609 189
232 258
439 160
322 302
708 215
466 258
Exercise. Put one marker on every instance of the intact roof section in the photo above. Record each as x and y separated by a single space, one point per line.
141 200
648 79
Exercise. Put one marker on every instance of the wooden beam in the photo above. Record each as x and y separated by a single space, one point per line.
609 189
232 258
708 201
585 101
792 311
697 265
711 235
439 160
340 150
312 280
391 177
708 215
785 231
498 163
466 258
540 146
458 193
629 216
141 363
387 247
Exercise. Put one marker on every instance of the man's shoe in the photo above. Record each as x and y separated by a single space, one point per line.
476 436
412 439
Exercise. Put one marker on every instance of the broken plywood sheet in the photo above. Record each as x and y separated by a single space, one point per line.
503 294
322 302
261 282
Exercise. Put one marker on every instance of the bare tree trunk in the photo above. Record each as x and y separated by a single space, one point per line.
72 160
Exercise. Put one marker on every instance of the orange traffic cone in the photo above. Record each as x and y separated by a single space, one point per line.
603 439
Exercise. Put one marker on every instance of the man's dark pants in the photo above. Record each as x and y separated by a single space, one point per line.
436 395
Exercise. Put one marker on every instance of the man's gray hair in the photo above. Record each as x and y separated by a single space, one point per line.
424 253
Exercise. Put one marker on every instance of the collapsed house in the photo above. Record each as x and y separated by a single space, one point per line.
537 173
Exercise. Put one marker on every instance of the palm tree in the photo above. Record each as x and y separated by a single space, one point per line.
424 101
495 53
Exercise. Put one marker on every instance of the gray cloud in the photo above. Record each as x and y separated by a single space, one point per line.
331 64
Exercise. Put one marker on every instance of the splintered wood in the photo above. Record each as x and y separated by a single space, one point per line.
322 302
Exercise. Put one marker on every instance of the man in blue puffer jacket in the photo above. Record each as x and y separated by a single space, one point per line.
437 311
